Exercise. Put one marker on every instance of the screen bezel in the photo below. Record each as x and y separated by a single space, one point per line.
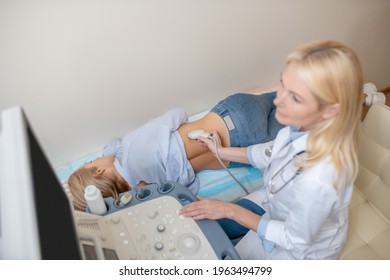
36 215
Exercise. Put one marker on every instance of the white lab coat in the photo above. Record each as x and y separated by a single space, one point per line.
308 217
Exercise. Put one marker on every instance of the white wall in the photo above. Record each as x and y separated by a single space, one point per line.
89 70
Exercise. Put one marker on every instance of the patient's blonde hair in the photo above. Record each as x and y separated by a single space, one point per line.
333 74
84 177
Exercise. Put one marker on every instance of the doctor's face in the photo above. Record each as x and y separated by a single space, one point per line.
295 104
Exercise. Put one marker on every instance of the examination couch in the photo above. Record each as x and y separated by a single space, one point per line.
369 221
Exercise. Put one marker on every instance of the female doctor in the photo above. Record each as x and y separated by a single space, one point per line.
311 165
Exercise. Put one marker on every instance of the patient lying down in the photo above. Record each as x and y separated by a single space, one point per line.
160 150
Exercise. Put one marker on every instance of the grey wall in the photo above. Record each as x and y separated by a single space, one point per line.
86 71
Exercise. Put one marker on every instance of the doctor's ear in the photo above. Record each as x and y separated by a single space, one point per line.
331 111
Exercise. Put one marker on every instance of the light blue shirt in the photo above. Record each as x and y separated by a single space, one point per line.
154 153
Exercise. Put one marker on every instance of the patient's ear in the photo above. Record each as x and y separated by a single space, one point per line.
99 171
331 111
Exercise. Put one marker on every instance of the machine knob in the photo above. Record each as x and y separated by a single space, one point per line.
189 243
159 246
160 228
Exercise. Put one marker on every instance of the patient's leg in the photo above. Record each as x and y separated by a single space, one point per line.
206 161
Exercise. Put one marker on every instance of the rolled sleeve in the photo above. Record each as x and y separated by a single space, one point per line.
256 155
249 155
261 232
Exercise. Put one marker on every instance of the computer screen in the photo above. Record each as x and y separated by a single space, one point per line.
36 218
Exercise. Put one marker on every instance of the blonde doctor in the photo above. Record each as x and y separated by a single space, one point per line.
310 167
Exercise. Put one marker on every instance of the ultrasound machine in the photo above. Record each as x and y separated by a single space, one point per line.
37 220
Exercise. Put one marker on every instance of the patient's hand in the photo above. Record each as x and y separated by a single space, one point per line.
142 184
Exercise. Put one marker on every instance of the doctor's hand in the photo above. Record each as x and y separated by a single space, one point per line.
207 208
210 143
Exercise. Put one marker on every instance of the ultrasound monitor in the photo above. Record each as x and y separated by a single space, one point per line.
36 218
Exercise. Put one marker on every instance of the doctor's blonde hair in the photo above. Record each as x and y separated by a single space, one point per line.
333 74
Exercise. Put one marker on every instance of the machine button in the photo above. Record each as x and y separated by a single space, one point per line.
159 246
160 228
152 214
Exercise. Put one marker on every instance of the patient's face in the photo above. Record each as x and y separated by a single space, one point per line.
104 163
105 167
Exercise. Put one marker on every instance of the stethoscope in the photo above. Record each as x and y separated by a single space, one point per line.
271 184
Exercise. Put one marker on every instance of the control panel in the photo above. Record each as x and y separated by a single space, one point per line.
146 225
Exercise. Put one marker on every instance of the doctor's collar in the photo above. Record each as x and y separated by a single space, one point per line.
295 133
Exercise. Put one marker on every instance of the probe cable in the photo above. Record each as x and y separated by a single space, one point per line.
228 171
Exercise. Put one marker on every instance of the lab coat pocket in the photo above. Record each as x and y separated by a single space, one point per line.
332 237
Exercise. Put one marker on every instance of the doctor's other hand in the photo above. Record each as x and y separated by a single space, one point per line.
207 208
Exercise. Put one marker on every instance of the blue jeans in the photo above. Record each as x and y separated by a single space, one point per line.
250 119
234 230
